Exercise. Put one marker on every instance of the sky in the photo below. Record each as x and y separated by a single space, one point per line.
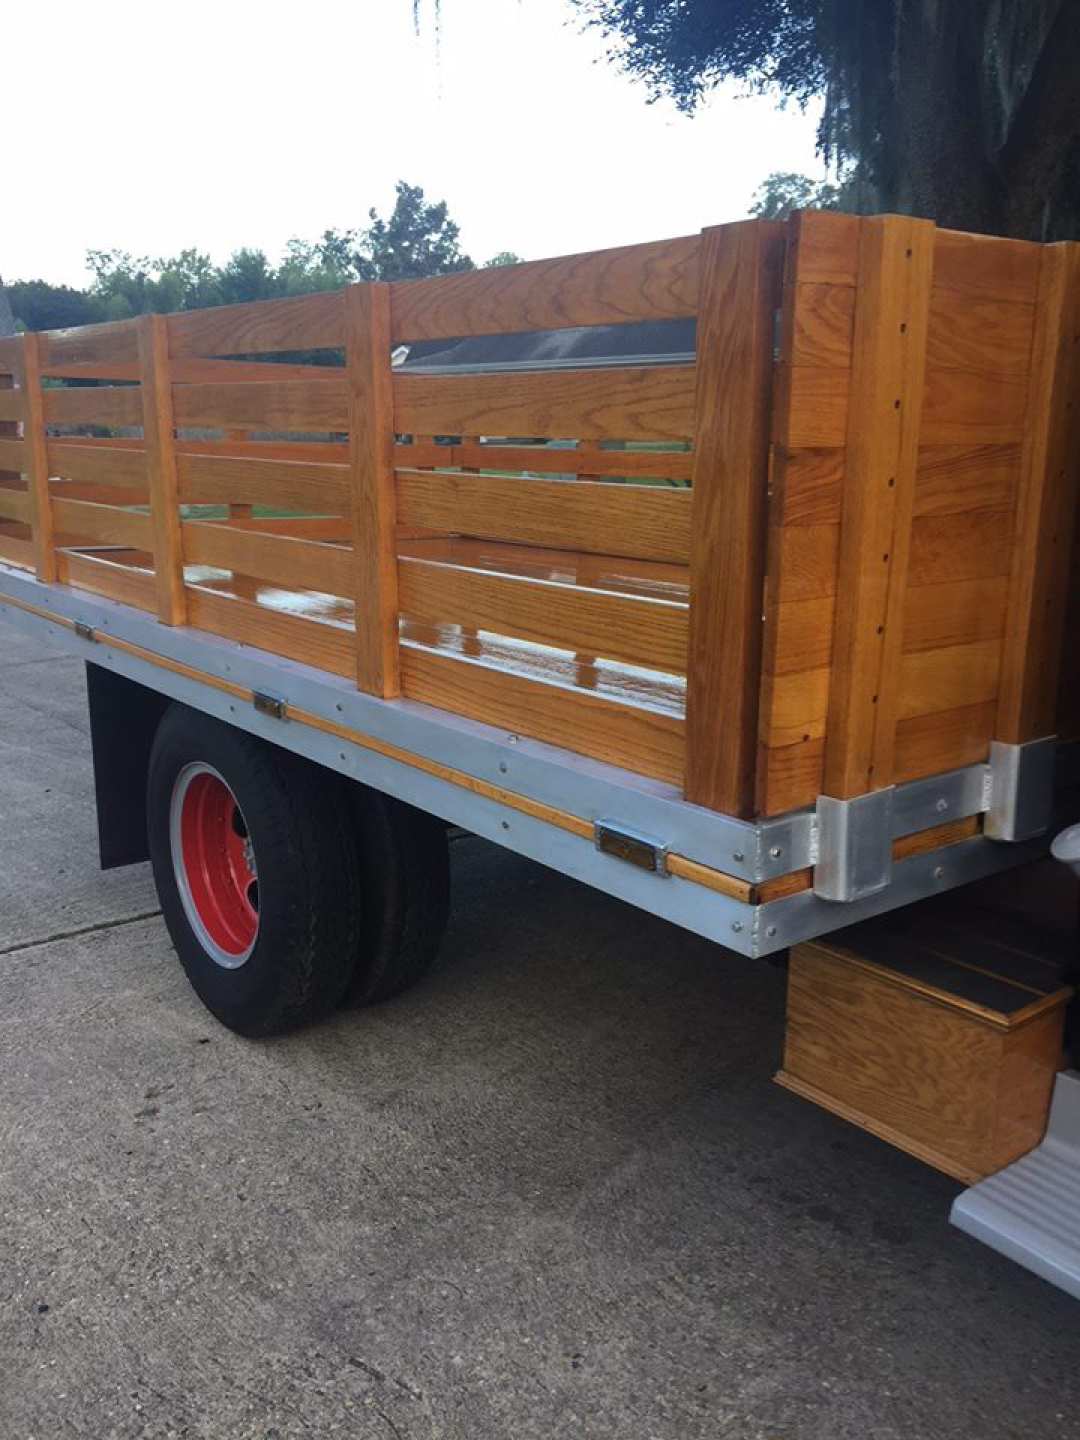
153 127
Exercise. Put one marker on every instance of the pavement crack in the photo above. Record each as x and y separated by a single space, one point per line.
82 930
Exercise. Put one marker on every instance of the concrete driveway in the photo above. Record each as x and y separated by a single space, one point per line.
552 1193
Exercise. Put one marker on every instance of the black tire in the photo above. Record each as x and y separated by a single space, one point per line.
405 895
302 834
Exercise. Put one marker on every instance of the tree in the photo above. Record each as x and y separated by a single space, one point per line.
504 257
966 112
417 239
784 191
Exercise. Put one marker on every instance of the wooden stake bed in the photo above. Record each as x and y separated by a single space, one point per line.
775 569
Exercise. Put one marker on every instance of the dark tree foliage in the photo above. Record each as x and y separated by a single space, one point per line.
966 111
416 239
784 191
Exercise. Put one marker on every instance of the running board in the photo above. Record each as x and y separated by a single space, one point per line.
1030 1211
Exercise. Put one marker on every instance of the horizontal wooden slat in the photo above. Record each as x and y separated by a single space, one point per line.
806 487
955 613
638 630
11 349
635 738
808 561
799 703
14 550
11 405
656 281
947 679
964 407
90 344
975 332
790 775
336 528
108 576
945 740
104 524
631 403
195 371
633 464
99 494
968 546
633 520
94 405
802 636
320 451
303 405
15 505
325 646
98 464
635 403
811 407
302 322
12 455
986 265
282 484
953 478
824 247
822 321
284 560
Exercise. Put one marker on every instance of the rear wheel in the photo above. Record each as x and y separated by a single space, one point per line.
405 894
255 859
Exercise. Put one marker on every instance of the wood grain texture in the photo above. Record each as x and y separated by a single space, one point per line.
311 642
36 459
281 484
634 402
1046 506
372 487
824 247
895 266
975 333
631 464
97 405
963 1087
78 522
981 265
300 405
635 520
111 343
741 273
638 630
105 576
928 744
158 424
658 281
973 407
288 561
98 465
630 736
12 453
957 478
15 505
11 404
261 327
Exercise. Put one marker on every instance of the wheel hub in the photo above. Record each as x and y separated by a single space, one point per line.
214 863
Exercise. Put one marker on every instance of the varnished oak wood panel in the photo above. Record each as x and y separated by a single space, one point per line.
302 322
280 484
741 271
636 402
638 630
289 561
300 405
605 287
99 405
635 738
641 521
78 522
99 465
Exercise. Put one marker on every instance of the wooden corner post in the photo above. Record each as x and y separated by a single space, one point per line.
1045 507
36 459
371 466
740 287
892 302
159 431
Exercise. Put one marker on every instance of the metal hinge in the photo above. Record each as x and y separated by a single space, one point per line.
269 705
84 631
643 851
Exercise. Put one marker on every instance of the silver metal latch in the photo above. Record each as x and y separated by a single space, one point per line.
854 845
636 849
84 631
269 705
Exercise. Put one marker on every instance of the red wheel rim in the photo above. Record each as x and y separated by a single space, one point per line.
214 862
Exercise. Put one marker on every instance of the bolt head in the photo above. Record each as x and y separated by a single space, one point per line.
736 925
776 852
738 856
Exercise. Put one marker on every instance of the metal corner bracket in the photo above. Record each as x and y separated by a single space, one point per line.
854 845
1020 789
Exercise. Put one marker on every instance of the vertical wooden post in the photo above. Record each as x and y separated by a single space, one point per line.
1045 507
371 466
159 431
740 283
35 453
896 258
